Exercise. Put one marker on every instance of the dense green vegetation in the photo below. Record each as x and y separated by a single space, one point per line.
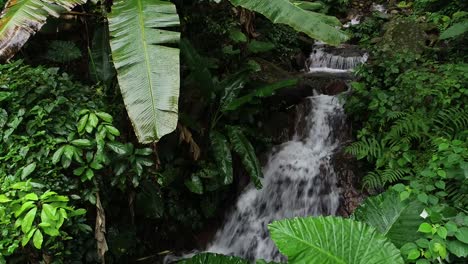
92 169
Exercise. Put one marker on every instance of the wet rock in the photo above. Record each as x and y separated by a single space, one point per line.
348 182
335 87
403 35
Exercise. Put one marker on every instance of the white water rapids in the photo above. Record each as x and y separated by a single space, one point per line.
298 181
322 61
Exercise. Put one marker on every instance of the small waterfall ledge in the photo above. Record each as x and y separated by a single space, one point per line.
335 60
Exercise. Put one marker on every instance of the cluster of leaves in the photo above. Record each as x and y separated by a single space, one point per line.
376 230
55 139
414 138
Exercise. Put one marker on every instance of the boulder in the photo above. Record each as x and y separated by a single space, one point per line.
403 35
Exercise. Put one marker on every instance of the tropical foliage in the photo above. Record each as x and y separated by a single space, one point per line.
166 106
147 68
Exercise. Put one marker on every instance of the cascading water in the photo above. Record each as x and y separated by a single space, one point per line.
322 61
298 181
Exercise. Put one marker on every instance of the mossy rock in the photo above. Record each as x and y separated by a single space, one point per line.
403 35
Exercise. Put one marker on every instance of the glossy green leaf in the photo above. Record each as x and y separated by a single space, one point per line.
211 258
93 120
398 220
57 155
114 131
28 220
31 197
27 237
332 240
28 170
23 18
231 87
263 91
313 24
462 234
4 199
222 156
194 184
118 148
425 228
25 206
84 143
455 30
49 211
458 248
104 117
82 123
147 67
245 150
38 239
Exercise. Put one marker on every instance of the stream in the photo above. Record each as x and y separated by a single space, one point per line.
299 179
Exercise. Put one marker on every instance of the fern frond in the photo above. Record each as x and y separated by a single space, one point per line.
393 175
370 148
63 51
411 125
451 121
458 196
373 180
391 116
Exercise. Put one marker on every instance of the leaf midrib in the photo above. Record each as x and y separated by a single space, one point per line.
395 219
327 253
141 23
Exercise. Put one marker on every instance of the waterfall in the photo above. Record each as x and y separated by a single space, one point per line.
298 181
322 61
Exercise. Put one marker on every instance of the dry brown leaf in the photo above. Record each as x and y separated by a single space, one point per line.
20 19
186 136
247 19
100 230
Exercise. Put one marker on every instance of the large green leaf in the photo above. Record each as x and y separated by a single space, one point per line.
147 67
23 18
264 91
231 87
101 67
222 156
316 25
455 30
211 258
332 240
245 150
395 219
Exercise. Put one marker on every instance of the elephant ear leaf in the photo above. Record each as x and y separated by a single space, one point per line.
315 25
245 150
211 258
397 220
23 18
332 240
147 64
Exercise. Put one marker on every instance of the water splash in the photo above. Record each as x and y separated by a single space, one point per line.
378 8
356 20
298 181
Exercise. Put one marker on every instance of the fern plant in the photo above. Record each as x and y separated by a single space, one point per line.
452 122
63 51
